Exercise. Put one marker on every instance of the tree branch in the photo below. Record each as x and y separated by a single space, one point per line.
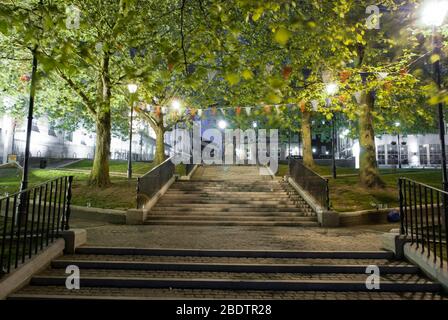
183 36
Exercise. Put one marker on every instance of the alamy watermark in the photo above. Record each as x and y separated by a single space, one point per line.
72 282
373 280
230 146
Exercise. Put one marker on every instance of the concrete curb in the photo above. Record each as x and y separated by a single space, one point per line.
188 177
427 265
98 214
138 216
326 218
22 275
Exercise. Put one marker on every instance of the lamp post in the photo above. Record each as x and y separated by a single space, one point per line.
132 90
434 13
332 89
222 124
397 125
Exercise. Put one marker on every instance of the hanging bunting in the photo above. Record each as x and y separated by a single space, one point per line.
269 68
382 75
248 110
358 96
315 105
238 111
287 70
267 109
302 105
211 74
387 86
342 98
158 111
326 76
344 75
403 72
193 112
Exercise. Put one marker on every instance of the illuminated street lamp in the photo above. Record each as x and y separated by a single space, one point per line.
433 14
222 124
176 105
132 88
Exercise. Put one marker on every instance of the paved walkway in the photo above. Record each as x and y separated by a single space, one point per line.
214 237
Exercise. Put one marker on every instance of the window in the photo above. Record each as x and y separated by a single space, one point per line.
51 131
34 126
381 151
392 153
435 154
69 136
404 154
423 151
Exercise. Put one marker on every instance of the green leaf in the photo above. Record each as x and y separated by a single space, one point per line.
282 36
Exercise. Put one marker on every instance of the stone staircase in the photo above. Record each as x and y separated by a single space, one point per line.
143 274
231 196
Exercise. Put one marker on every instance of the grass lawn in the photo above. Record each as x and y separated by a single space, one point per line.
121 195
347 195
115 166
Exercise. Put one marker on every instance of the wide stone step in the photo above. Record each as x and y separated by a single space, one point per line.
182 196
142 294
226 205
228 214
237 281
234 218
230 223
147 257
223 193
309 268
201 208
247 254
166 201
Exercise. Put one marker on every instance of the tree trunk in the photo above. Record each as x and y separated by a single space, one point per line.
368 172
99 175
100 170
306 136
160 146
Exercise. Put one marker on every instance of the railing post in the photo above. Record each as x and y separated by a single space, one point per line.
327 194
69 199
400 196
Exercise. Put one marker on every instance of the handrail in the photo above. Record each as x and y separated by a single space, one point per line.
314 184
152 182
32 219
424 217
156 167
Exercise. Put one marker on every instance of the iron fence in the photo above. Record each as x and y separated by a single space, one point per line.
149 184
311 182
32 219
423 211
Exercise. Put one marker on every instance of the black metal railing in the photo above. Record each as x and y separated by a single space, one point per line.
423 211
32 219
311 182
149 184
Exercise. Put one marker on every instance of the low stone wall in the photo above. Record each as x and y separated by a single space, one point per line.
365 217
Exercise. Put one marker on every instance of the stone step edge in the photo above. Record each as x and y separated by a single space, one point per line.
236 253
233 267
222 223
226 284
